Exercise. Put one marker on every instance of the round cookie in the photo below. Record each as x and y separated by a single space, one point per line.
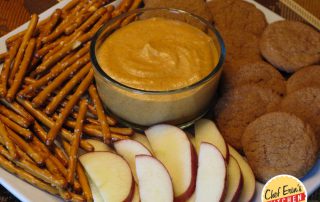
305 103
290 45
257 73
278 143
238 107
305 77
237 15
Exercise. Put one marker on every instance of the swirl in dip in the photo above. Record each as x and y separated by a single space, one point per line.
158 54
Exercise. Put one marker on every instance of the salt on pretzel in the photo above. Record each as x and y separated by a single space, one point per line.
73 155
27 134
18 78
5 72
46 92
54 103
56 70
8 143
26 38
101 115
39 115
67 110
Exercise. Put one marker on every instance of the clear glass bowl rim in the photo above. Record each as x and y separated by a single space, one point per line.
140 91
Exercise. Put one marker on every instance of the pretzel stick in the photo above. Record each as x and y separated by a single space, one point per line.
76 197
70 5
66 111
101 116
95 17
26 38
17 79
54 72
26 133
41 133
48 27
83 180
60 155
7 165
3 56
76 139
35 170
14 117
122 8
54 103
49 123
116 137
93 121
24 146
45 93
18 109
8 143
6 68
135 4
47 47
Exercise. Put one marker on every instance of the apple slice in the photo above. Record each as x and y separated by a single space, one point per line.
143 140
248 179
111 174
173 148
192 198
207 131
99 146
192 139
154 180
212 173
128 149
234 181
95 191
136 195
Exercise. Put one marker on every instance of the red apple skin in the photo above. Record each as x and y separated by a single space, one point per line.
194 163
236 196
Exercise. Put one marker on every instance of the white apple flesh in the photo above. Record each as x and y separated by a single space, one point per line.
211 178
155 184
128 149
173 148
111 174
99 146
207 131
143 140
249 182
234 181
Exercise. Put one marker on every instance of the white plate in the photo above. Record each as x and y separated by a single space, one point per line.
27 192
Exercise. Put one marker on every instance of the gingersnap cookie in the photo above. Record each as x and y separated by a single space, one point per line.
197 7
290 45
237 15
305 77
305 103
278 143
257 73
238 107
241 45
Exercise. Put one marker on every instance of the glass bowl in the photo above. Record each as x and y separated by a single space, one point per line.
142 108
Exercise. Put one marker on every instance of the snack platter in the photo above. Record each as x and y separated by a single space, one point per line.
26 192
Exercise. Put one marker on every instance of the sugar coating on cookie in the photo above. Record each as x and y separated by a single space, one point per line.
238 107
257 73
278 143
237 15
305 103
290 45
305 77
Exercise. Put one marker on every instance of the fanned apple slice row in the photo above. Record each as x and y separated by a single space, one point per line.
172 147
234 181
249 182
207 131
211 179
155 184
111 174
128 149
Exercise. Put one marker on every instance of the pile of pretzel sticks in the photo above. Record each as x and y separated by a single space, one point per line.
49 104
